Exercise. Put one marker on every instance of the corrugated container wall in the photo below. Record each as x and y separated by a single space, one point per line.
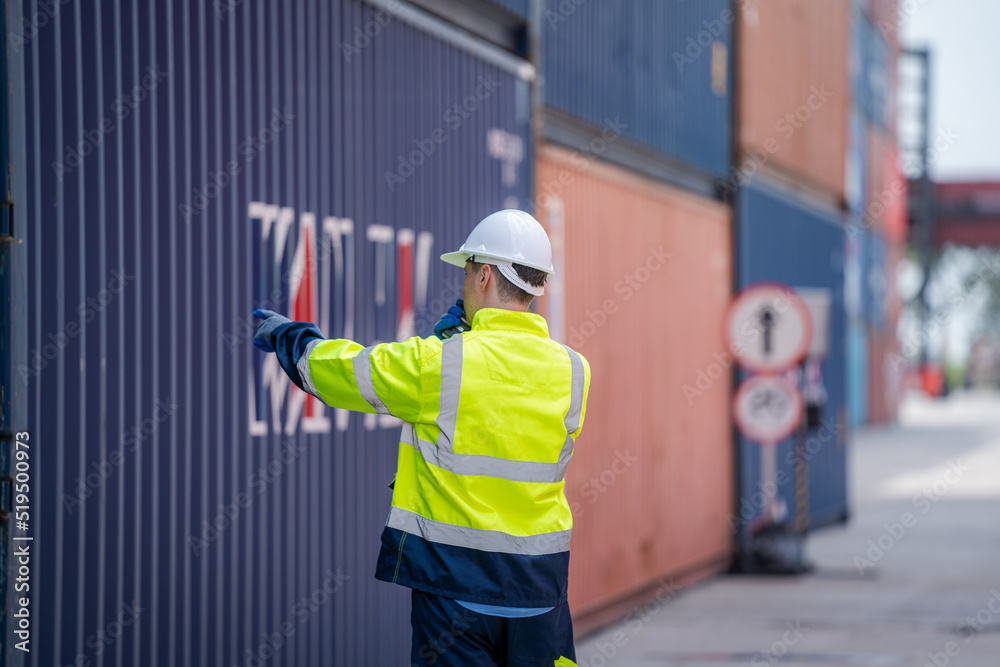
886 363
795 93
886 367
16 471
661 67
870 71
856 186
884 187
855 252
857 374
643 278
884 15
188 162
787 239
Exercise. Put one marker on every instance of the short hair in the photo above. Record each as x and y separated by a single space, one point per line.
507 290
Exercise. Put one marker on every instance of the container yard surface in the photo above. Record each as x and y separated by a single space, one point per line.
882 593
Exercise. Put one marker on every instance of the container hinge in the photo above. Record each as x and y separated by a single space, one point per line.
6 220
6 497
6 483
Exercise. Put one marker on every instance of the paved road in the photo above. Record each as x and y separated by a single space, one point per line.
912 581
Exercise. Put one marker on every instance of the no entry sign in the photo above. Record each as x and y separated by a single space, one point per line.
768 327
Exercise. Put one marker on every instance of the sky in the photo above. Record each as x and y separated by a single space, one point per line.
964 38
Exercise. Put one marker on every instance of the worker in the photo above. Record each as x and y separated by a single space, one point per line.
479 526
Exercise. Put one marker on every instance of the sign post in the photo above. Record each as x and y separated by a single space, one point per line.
769 331
767 409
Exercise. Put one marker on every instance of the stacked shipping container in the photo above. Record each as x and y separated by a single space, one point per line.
316 157
186 165
883 219
645 278
795 137
660 69
646 86
786 238
794 91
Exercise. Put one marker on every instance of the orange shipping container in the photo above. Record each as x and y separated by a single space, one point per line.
643 278
885 208
794 89
886 367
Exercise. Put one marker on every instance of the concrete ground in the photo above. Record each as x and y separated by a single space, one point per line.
912 581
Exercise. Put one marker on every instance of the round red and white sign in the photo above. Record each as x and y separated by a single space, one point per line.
768 327
767 408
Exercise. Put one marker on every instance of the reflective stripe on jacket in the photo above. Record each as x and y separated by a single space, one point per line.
478 511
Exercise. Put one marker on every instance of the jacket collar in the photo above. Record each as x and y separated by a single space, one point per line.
510 320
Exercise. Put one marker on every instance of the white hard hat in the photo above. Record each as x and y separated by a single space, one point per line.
504 238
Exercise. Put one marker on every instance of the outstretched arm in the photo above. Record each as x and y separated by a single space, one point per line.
384 378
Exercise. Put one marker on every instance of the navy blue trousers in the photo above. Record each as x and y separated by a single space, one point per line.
446 634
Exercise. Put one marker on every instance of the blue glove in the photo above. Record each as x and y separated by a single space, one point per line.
453 321
269 321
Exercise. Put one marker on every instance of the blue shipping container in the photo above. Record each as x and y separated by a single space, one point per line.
857 164
857 374
661 67
876 280
518 7
187 162
784 238
870 70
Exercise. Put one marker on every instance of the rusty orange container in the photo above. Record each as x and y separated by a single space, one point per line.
794 89
643 278
885 194
886 364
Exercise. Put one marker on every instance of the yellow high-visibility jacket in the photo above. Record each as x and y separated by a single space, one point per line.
478 511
